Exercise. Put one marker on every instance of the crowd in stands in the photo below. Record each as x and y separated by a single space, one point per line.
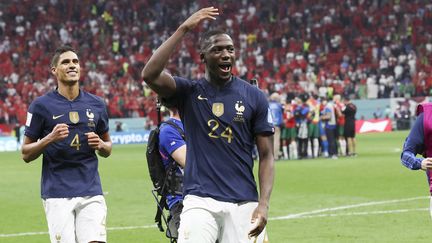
356 48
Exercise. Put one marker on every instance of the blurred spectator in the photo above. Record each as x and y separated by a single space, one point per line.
119 126
378 113
361 49
276 109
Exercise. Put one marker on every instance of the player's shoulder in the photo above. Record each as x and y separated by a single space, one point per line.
242 83
188 81
249 91
168 126
44 99
94 99
168 132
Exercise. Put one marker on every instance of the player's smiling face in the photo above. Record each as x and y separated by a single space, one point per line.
219 57
68 67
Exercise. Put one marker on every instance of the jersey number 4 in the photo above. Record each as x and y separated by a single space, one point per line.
75 142
214 125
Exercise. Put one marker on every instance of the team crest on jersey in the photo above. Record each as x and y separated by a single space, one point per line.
240 108
74 116
90 116
218 109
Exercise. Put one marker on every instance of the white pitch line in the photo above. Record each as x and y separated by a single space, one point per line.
109 229
299 215
290 216
364 213
22 234
132 227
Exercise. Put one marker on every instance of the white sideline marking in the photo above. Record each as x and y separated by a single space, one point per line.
109 228
299 215
22 234
310 214
364 213
132 227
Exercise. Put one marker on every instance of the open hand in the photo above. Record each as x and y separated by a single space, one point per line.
197 17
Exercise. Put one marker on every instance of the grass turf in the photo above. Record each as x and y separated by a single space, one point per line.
368 198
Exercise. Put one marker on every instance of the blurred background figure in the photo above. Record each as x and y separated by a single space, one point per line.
289 132
349 112
302 119
277 114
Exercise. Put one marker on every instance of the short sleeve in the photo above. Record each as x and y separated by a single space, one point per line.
170 139
263 121
183 86
103 125
35 121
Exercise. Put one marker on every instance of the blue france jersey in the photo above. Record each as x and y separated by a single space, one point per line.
69 166
220 125
169 141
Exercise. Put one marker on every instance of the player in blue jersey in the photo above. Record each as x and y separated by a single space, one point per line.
419 142
277 113
67 126
172 148
223 117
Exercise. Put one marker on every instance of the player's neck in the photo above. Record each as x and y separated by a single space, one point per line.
70 92
216 81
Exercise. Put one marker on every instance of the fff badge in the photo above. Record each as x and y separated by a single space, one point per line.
218 109
74 117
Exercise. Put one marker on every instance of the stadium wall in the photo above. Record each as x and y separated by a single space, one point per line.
368 111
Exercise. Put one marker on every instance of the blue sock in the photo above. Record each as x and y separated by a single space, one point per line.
325 146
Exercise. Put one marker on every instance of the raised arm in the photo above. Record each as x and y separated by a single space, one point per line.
153 72
266 177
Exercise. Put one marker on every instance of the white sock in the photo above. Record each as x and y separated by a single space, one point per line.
342 144
285 151
309 149
315 147
293 150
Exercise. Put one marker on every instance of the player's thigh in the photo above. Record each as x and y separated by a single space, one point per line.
197 224
349 131
240 221
60 218
292 133
314 131
91 219
340 131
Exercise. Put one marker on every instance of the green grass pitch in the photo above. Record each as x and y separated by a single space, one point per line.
369 198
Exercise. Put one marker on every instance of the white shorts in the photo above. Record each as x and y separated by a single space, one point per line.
204 219
77 219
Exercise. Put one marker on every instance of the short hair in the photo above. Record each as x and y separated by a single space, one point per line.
58 52
275 97
205 38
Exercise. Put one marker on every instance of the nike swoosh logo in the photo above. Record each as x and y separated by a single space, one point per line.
56 117
201 98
